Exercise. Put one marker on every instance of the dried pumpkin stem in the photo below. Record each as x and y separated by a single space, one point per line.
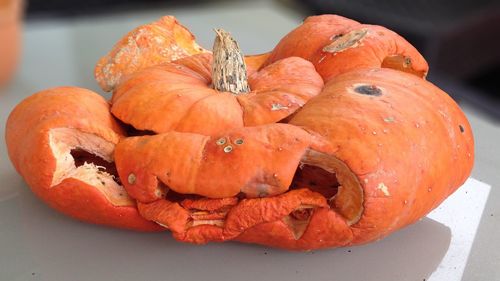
229 72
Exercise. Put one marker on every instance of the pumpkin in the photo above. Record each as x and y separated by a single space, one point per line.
155 43
275 194
178 95
220 147
340 45
10 36
61 141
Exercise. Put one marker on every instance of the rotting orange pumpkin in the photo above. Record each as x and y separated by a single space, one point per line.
349 133
376 150
182 95
336 45
151 44
62 141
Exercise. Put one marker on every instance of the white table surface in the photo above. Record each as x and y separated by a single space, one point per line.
39 244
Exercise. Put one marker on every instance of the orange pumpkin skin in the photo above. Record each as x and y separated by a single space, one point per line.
177 96
154 44
337 45
255 161
400 157
39 133
10 36
147 45
410 147
374 151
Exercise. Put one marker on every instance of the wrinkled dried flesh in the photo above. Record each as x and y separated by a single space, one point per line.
88 158
311 182
235 216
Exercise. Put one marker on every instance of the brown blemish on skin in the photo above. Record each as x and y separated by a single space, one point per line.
228 149
341 43
221 141
131 178
407 62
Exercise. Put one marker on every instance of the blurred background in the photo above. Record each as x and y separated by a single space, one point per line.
62 40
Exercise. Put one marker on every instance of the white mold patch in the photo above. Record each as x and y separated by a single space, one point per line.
382 187
277 106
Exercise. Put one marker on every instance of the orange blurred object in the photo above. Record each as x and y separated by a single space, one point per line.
10 36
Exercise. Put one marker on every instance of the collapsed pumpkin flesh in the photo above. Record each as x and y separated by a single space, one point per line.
266 153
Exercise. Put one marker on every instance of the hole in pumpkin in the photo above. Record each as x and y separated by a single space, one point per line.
315 179
298 220
333 179
81 157
88 158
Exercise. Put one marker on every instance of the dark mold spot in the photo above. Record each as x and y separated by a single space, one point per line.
370 90
407 62
461 128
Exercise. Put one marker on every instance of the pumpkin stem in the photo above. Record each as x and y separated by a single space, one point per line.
229 72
